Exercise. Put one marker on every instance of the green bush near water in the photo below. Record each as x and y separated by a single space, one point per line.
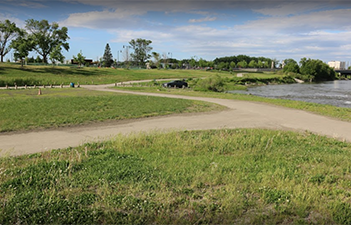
243 176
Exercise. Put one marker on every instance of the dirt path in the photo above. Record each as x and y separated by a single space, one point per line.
240 114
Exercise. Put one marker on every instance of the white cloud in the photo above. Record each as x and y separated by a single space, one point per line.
322 20
101 19
29 4
206 19
18 22
291 8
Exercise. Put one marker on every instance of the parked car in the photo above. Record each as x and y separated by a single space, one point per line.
176 83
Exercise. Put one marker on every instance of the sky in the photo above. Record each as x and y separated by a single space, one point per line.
207 29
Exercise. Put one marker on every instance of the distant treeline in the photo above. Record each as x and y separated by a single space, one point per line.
245 61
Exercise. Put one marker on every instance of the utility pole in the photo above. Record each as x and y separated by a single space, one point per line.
127 47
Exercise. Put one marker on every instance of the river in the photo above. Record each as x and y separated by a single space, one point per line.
337 93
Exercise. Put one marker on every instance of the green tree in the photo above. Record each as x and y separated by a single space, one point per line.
317 68
31 60
202 63
252 64
56 55
193 62
38 59
232 65
242 64
291 66
107 58
21 47
223 65
275 62
157 59
45 38
8 32
141 48
80 59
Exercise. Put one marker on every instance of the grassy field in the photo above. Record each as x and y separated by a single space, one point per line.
47 75
325 110
25 110
242 176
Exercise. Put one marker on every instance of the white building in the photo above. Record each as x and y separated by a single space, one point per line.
337 65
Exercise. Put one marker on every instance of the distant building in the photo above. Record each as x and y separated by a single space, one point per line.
337 65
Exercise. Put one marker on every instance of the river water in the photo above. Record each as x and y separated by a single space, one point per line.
337 93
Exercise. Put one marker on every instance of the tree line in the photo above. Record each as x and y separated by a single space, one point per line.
47 40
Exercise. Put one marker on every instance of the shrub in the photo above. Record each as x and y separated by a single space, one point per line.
215 83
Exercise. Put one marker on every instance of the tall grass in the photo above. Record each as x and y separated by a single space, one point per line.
243 176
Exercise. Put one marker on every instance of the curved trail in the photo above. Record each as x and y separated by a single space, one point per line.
240 114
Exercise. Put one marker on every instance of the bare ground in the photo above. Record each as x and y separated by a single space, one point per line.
240 114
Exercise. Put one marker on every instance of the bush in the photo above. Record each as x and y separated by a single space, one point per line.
318 69
215 83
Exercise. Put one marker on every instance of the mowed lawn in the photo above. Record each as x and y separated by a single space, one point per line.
56 75
26 110
243 176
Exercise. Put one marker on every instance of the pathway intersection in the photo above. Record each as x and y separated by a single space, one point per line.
240 114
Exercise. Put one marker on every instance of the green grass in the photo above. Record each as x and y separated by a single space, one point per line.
47 75
25 110
243 176
321 109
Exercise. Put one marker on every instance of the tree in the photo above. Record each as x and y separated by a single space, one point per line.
38 59
317 68
56 55
202 63
290 66
180 64
193 62
242 64
141 49
156 57
252 64
80 59
31 60
223 66
47 38
275 62
107 58
21 46
8 32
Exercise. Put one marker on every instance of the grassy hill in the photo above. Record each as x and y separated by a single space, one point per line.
47 75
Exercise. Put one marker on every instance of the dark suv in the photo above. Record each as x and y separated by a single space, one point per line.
176 83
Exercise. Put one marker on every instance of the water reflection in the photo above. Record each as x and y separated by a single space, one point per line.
337 93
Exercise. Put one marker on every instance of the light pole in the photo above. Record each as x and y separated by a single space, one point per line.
118 56
127 47
169 53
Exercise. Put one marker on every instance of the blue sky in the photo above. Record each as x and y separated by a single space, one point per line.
203 29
